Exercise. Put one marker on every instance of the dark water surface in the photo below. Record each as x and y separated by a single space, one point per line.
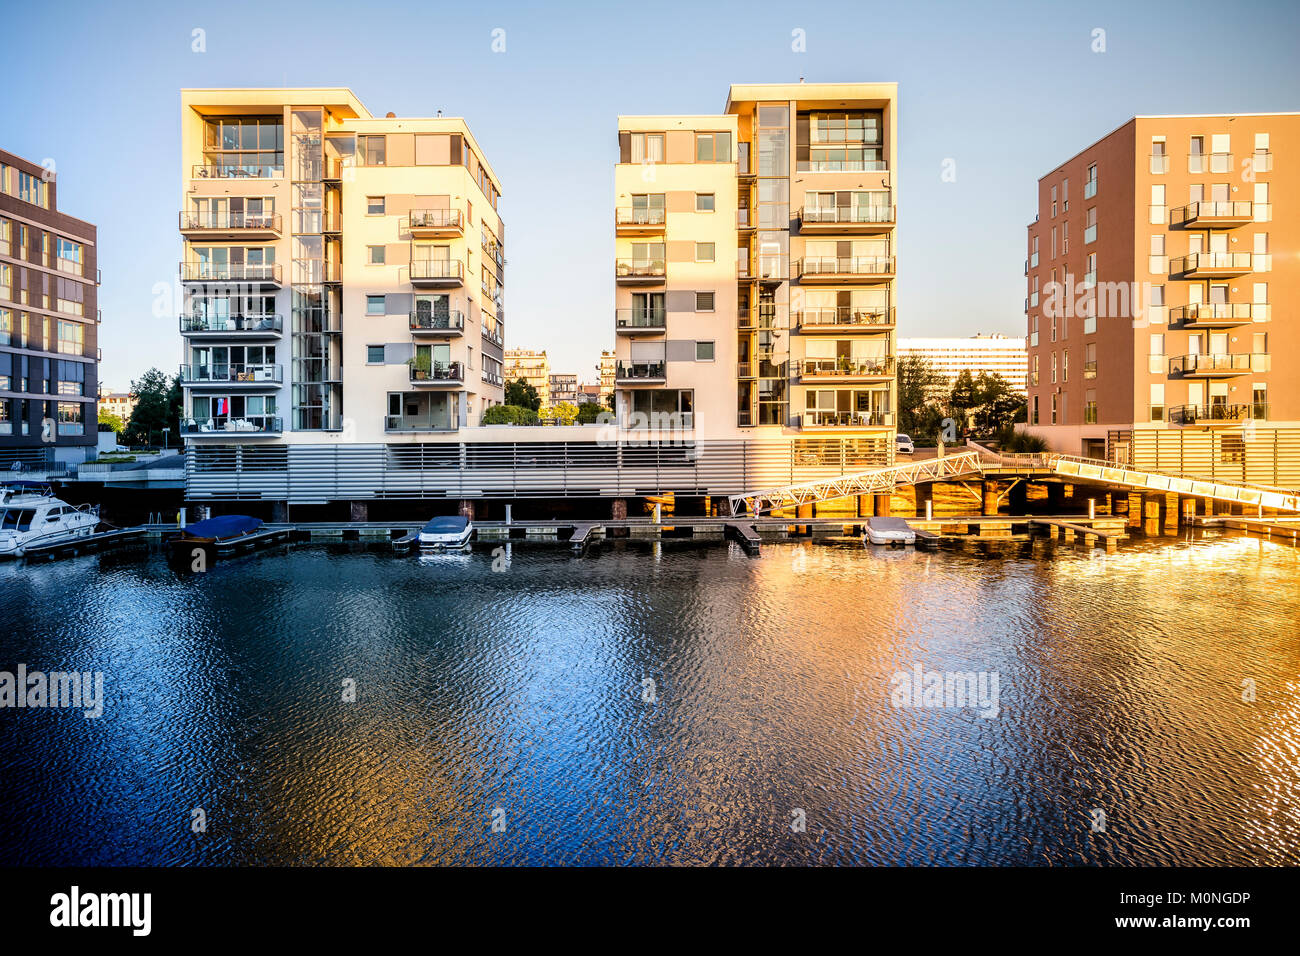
1120 688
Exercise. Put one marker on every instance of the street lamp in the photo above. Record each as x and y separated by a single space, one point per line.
166 433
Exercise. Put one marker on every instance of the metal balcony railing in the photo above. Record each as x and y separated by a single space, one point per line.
632 371
1192 212
453 321
231 374
237 171
225 272
231 221
1209 363
640 217
435 219
1207 261
232 324
236 424
438 372
838 318
848 215
450 269
640 318
827 419
1214 312
847 368
846 265
640 268
1218 412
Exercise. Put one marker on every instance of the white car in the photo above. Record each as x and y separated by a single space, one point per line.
904 444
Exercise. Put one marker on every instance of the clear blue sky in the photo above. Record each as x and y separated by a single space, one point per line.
1008 90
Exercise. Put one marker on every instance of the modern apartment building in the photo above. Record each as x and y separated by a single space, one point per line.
1161 268
608 363
49 314
993 354
754 271
120 404
563 387
342 276
534 368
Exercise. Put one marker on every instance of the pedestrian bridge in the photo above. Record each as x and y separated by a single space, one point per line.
985 463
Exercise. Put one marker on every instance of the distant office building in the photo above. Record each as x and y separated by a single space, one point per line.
121 404
563 388
534 368
48 322
994 354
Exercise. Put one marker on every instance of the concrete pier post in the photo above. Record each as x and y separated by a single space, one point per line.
929 509
1171 512
881 506
1092 507
509 508
989 495
618 509
357 510
466 508
1118 503
1134 510
658 513
924 498
1187 511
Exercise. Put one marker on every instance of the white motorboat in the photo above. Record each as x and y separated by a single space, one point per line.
446 533
31 516
892 531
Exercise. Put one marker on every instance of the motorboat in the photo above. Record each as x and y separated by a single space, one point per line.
31 516
446 533
891 531
221 530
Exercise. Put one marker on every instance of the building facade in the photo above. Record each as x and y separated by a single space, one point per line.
608 362
992 354
754 268
563 387
49 315
121 404
534 368
342 275
1161 268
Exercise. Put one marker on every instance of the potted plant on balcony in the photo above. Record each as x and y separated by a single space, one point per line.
421 367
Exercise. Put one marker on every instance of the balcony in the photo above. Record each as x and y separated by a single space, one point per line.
640 222
1210 265
847 219
1217 315
1217 414
842 166
867 419
226 426
443 273
640 373
257 326
845 268
438 375
1217 365
845 369
208 273
243 377
229 225
237 171
640 271
843 320
640 321
435 223
1209 163
764 268
1212 215
397 424
437 325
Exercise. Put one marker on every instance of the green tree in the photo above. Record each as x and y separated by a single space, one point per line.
108 422
158 406
996 406
509 415
523 395
589 412
918 414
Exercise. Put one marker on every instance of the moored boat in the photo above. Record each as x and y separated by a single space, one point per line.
31 516
223 529
892 531
451 531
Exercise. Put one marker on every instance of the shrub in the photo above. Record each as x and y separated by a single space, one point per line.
509 415
590 412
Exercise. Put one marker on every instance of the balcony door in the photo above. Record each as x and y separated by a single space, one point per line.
647 307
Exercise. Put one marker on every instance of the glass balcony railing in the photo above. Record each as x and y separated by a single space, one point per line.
448 219
813 418
640 268
227 424
1215 313
1159 163
640 319
842 166
231 374
230 221
1238 262
1218 363
847 215
1209 162
640 217
837 318
238 171
232 324
845 265
437 270
226 272
634 371
1241 211
845 367
437 372
419 423
1217 412
453 321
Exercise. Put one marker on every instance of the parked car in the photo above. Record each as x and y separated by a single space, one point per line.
904 445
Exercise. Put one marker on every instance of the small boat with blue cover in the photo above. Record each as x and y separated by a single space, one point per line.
444 533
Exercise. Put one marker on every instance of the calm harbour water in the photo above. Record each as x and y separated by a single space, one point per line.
1120 684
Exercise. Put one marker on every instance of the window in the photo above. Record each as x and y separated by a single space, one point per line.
1157 263
1033 411
704 202
31 189
647 147
1262 161
1033 255
1065 365
1157 208
375 255
69 254
1053 202
373 150
704 252
1090 184
704 351
1090 360
1263 210
1054 403
1159 158
1033 370
1261 261
1156 354
374 355
374 205
713 147
1196 155
1090 407
1065 195
71 337
704 302
1156 404
375 305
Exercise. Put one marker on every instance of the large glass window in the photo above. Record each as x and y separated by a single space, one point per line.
244 146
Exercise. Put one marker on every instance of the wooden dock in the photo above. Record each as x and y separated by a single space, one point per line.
746 535
85 545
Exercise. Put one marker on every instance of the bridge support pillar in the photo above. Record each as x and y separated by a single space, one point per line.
1134 510
1055 498
1018 498
465 508
924 496
866 506
280 512
881 505
1151 508
618 509
1171 512
989 494
1118 503
359 511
